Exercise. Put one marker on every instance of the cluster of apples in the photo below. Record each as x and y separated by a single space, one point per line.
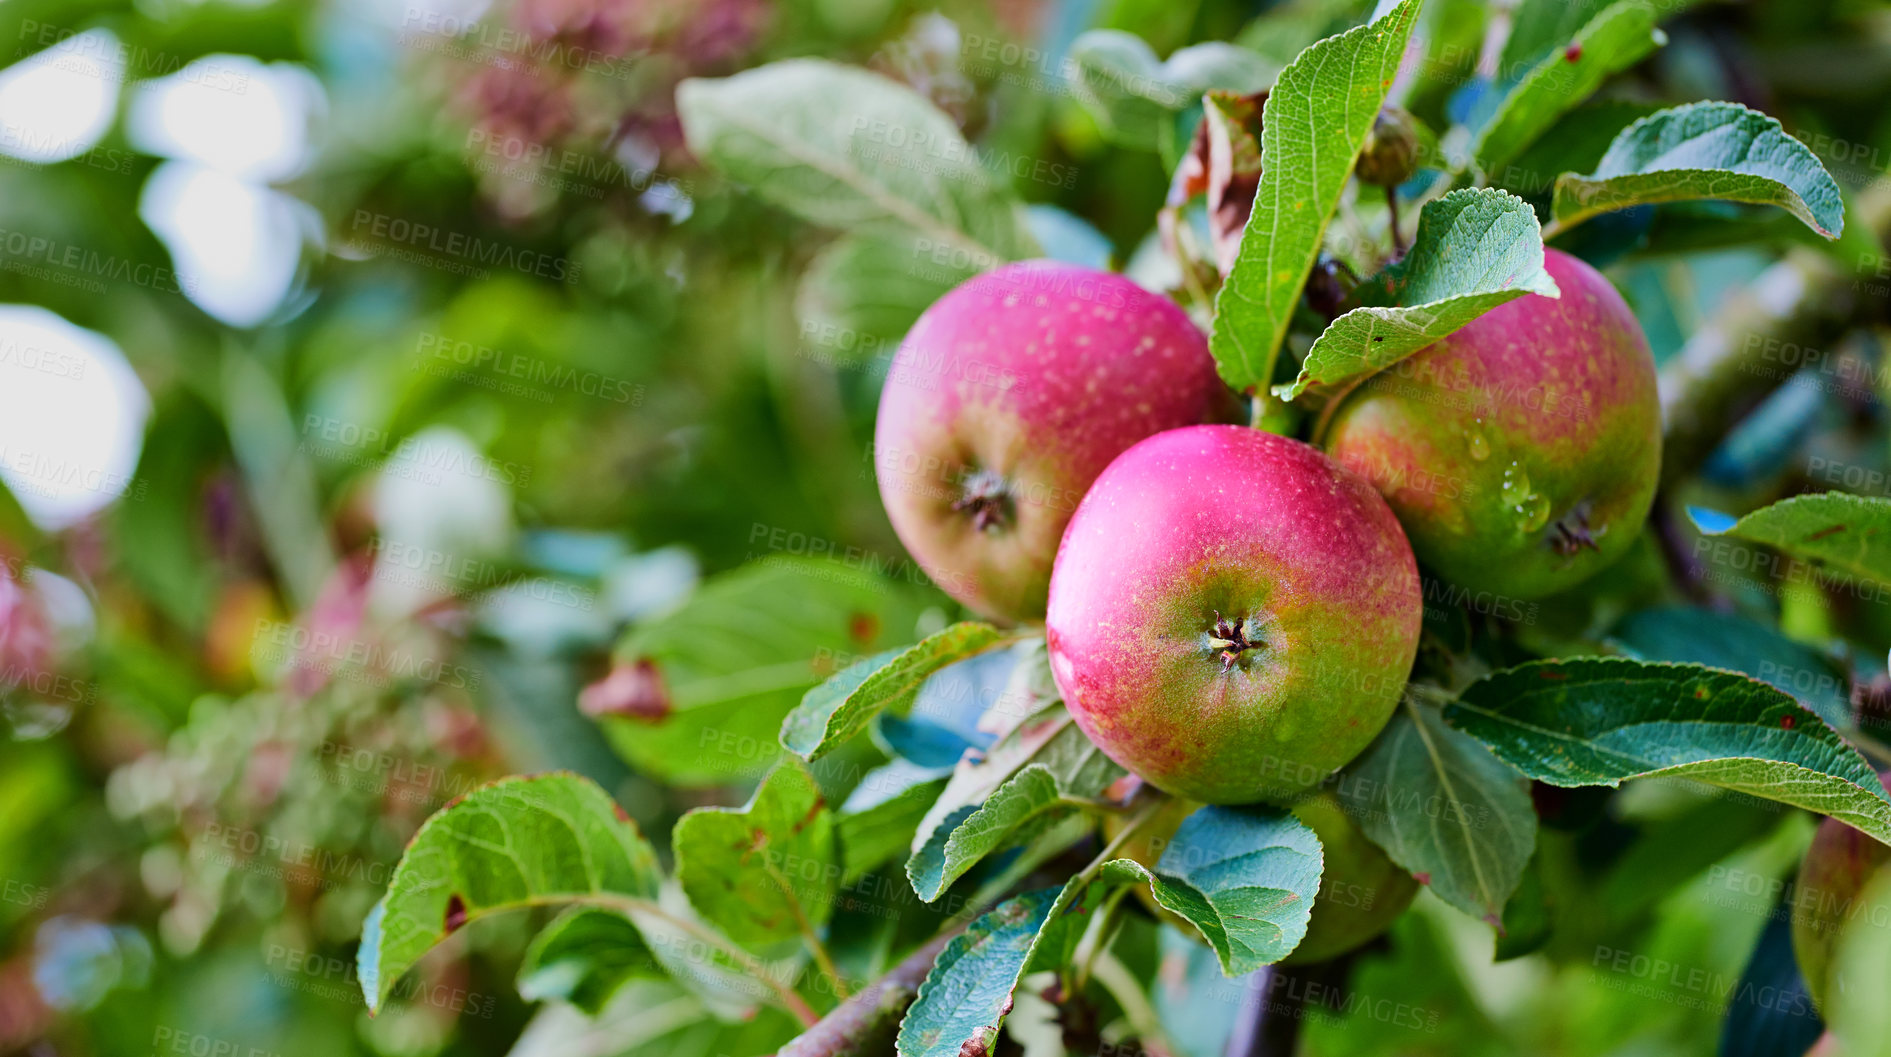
1230 614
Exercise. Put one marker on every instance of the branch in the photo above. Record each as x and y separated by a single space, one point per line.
1275 1005
1807 300
868 1022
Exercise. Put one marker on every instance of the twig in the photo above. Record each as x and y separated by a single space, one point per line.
1123 986
1150 808
1275 1005
1096 938
869 1021
866 1022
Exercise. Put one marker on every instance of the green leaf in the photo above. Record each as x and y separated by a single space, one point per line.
1245 877
1542 27
1693 635
1313 125
1846 534
1597 721
1217 66
881 815
1292 26
583 956
1444 809
1475 250
767 872
1049 738
850 149
1720 151
862 292
1615 39
843 706
1135 98
1528 921
735 659
1029 802
519 842
968 992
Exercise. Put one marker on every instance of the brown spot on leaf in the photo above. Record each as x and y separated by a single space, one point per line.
1422 878
1788 722
1573 53
1551 674
455 913
1700 693
863 628
631 690
1824 532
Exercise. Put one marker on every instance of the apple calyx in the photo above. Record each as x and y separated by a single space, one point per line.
987 497
1571 532
1230 638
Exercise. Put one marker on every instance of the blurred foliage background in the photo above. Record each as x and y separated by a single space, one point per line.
447 365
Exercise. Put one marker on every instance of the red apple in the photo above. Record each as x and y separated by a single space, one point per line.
1233 616
1007 398
1830 894
1520 453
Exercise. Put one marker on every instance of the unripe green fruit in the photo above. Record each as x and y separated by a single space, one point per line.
1522 452
1362 891
1829 895
1390 155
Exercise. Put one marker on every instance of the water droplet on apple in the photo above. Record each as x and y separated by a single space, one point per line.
1479 444
1531 507
1536 512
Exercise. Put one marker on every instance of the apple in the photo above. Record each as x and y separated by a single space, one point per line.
1521 453
1232 614
1007 398
1362 891
1830 894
